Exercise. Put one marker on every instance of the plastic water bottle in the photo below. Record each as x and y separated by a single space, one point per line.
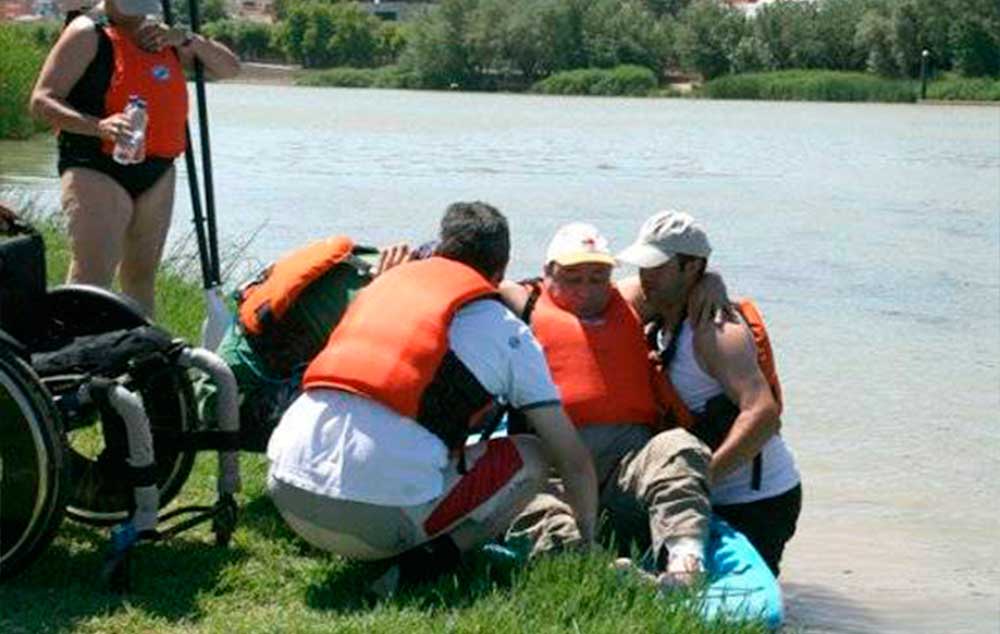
132 148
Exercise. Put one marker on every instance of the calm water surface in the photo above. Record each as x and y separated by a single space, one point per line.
867 233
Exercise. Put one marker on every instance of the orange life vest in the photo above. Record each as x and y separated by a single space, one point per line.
671 401
392 346
159 79
602 369
284 338
267 298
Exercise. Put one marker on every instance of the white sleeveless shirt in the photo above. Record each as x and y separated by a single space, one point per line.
696 387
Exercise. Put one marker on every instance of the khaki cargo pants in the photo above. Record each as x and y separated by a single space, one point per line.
652 488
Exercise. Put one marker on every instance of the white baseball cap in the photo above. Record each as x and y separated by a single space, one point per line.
576 243
664 235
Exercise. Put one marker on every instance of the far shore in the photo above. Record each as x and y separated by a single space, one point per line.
264 73
272 74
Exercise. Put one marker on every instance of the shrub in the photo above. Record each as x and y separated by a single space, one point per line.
345 77
818 85
965 89
635 81
21 57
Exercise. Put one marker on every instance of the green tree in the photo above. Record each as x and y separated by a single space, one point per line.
618 32
788 30
836 24
208 11
661 8
975 46
438 50
707 33
355 38
907 37
874 37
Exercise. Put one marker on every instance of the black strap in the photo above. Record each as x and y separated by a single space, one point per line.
535 286
667 354
710 428
758 469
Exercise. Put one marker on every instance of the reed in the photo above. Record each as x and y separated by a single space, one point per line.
347 77
964 89
626 80
810 85
22 52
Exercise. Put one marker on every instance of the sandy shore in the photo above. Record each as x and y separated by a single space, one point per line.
270 74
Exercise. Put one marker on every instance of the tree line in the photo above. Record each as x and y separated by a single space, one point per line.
485 43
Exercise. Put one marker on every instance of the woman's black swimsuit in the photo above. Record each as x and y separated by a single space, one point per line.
77 150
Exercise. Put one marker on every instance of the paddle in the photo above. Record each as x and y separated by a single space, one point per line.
217 315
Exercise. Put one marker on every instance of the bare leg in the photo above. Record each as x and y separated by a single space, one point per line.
144 240
98 211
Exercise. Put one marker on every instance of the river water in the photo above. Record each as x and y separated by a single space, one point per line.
868 234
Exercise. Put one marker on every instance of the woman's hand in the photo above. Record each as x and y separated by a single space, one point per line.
155 36
115 127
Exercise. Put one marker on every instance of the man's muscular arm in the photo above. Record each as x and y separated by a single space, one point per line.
727 353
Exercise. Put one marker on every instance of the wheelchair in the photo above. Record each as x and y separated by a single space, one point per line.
97 417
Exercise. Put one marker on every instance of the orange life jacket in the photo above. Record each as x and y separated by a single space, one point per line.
159 79
671 401
282 338
267 298
392 346
602 369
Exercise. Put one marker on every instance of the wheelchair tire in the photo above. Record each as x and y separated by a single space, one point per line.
101 493
33 474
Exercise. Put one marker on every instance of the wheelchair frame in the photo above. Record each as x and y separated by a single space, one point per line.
148 425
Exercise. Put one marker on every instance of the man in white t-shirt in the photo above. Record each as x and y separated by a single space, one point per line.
723 372
370 461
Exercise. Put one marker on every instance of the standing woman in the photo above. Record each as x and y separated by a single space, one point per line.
118 215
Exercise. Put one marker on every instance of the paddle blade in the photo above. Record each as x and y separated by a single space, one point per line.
217 318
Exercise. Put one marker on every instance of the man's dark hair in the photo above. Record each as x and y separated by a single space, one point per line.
475 234
683 259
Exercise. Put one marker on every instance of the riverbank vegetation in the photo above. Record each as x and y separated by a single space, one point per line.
811 85
22 51
269 580
514 44
580 46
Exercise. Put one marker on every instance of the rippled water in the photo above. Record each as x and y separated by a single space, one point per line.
868 234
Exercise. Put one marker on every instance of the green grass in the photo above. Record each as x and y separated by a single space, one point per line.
383 77
632 81
22 51
811 85
268 580
952 88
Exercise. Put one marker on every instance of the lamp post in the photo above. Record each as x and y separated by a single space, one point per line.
923 73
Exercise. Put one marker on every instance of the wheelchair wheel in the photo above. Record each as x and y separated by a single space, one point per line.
101 492
33 474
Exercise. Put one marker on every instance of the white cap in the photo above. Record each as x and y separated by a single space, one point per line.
576 243
665 235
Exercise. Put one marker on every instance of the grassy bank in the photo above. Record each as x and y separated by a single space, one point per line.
964 89
268 580
22 51
383 77
815 85
626 80
810 85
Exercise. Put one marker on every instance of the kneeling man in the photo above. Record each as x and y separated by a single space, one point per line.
370 462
